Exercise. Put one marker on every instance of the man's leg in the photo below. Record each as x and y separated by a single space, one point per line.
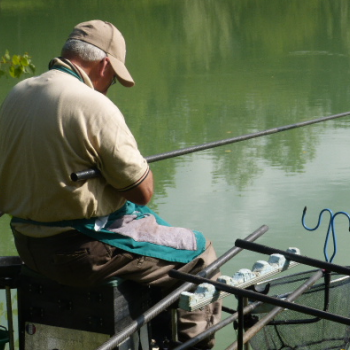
154 272
75 259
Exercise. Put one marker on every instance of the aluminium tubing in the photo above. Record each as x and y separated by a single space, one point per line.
173 296
260 297
247 310
10 318
294 257
251 332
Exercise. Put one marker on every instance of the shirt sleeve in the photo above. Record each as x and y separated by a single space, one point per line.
117 154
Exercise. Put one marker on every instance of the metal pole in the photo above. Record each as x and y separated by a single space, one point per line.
240 323
246 345
9 317
294 257
91 173
172 297
271 315
248 309
260 297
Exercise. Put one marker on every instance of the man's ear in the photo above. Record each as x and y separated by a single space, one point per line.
103 66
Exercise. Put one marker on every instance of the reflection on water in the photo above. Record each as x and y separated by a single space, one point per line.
211 70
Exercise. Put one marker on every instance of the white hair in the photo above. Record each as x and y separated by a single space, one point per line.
85 51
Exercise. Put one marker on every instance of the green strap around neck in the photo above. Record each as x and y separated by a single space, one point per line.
67 70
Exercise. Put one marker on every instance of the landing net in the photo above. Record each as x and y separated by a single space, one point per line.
297 331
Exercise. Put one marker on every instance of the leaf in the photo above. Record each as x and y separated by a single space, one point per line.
24 61
12 71
17 65
18 71
32 68
16 60
7 55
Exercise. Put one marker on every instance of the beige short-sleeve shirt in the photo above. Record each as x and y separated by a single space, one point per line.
53 125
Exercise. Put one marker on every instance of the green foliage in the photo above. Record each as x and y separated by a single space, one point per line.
16 65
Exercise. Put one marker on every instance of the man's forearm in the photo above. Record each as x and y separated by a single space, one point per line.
142 193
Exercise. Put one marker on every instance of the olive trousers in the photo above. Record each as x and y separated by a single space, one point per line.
74 259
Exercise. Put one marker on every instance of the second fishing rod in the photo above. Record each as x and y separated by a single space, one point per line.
94 172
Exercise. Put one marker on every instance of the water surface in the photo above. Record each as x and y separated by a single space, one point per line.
210 70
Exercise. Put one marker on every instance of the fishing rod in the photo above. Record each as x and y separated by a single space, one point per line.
91 173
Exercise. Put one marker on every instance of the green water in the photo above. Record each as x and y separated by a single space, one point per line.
210 70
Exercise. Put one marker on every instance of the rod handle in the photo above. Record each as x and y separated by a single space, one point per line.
85 174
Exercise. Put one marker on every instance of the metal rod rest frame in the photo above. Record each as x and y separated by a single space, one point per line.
174 296
258 248
247 310
193 341
10 318
91 173
251 332
260 297
240 323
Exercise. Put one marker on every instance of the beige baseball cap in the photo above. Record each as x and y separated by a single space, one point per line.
108 38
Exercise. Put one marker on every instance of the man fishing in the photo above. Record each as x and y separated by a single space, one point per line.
81 233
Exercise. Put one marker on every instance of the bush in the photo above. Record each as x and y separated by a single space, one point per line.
16 65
